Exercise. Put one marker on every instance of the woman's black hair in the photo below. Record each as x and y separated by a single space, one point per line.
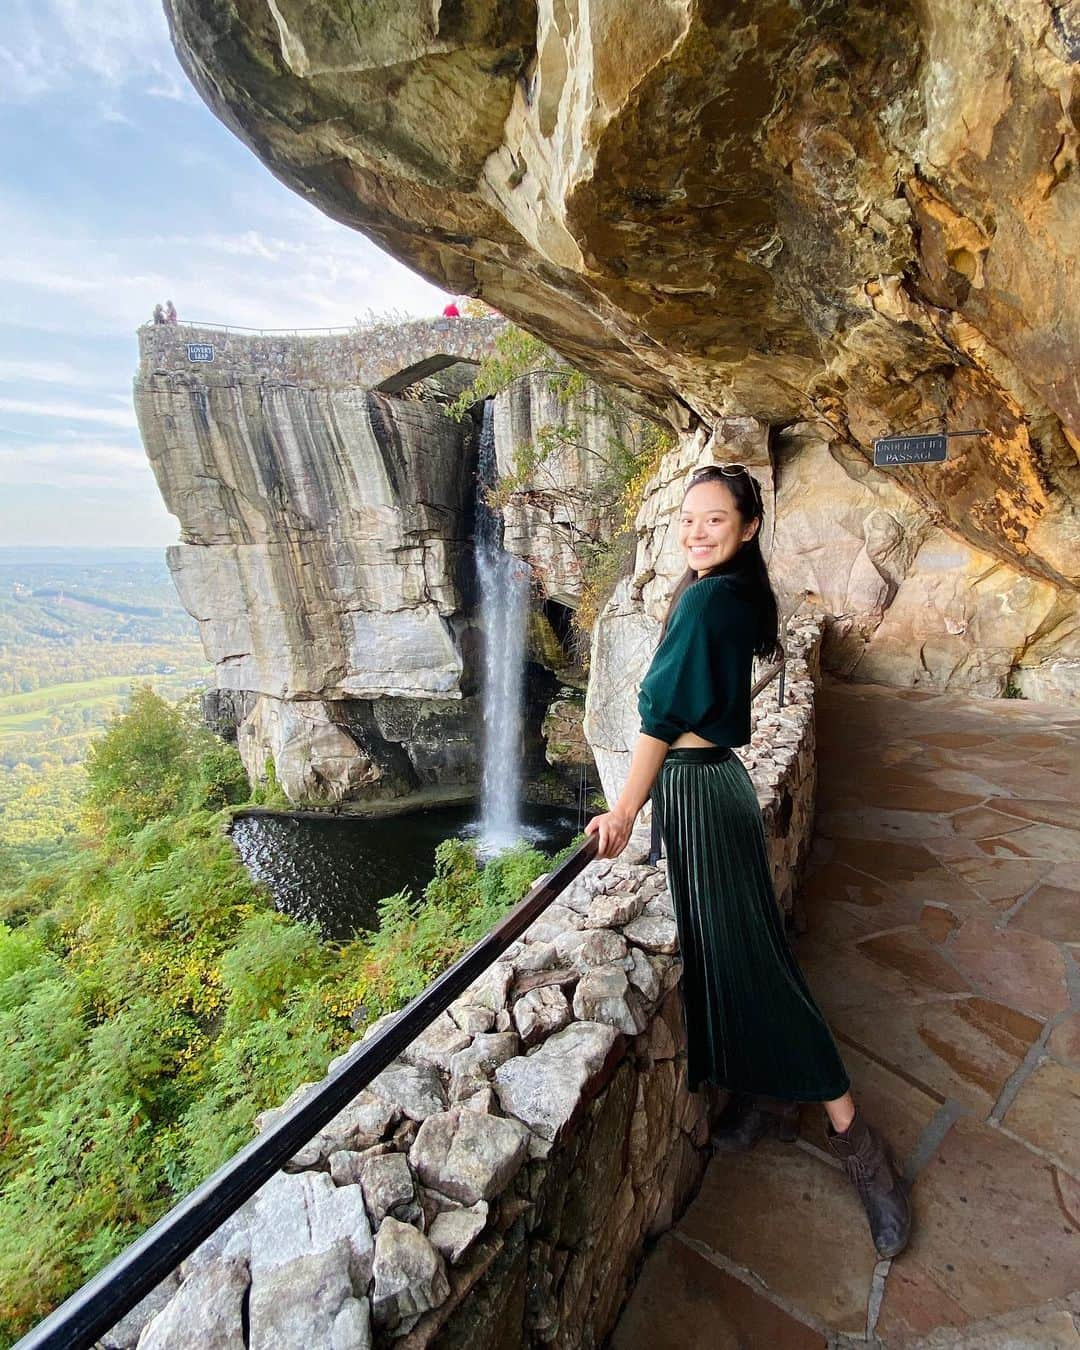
747 562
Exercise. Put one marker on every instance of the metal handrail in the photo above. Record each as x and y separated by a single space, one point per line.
239 328
656 842
80 1321
780 669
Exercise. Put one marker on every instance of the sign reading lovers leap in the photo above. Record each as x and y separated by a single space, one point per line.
200 351
915 449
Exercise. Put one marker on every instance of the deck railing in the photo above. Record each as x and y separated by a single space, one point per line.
81 1321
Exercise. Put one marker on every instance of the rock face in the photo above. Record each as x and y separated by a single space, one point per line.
838 215
554 508
906 602
326 534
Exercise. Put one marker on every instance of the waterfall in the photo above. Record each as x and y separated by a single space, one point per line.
504 610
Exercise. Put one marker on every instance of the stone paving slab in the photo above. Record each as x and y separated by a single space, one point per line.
1046 1113
683 1300
815 1253
1052 910
1011 966
1000 881
990 1237
964 1048
1048 1329
1064 1041
942 916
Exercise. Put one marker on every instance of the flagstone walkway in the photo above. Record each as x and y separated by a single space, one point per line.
942 916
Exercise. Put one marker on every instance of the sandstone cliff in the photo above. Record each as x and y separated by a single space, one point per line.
836 220
327 544
326 557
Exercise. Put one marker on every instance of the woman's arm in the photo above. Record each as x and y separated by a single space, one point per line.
614 826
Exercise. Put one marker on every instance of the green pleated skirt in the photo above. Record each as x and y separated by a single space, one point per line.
751 1022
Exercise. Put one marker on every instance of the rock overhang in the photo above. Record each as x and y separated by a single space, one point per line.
841 212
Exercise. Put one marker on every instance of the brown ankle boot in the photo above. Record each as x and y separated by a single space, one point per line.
746 1119
872 1170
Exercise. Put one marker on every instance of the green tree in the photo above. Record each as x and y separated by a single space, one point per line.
155 758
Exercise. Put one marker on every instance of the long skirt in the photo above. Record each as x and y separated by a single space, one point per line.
751 1022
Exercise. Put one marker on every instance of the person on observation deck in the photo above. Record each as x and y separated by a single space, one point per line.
451 311
159 314
752 1026
170 312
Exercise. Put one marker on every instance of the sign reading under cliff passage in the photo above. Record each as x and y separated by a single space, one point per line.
910 449
200 351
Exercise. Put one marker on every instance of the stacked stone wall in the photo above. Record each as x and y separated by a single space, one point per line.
364 356
496 1185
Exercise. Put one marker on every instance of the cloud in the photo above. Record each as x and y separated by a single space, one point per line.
80 463
78 412
52 44
249 278
22 372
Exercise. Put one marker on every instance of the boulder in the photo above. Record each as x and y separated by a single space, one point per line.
206 1311
471 1068
470 1018
415 1089
468 1155
605 995
436 1044
653 933
410 1277
489 991
600 947
123 1334
454 1231
388 1188
611 911
547 1088
347 1167
309 1302
541 1012
304 1214
535 956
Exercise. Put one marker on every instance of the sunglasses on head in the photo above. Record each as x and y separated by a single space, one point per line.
726 471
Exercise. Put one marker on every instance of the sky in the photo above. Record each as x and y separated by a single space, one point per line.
120 189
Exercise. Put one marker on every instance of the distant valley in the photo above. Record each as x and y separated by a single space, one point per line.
78 627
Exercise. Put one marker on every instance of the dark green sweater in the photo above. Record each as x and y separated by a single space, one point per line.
699 679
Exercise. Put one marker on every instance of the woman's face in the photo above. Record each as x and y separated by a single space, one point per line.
710 527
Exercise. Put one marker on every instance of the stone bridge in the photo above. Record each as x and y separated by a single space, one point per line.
388 356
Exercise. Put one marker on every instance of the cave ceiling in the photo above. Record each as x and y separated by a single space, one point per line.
859 214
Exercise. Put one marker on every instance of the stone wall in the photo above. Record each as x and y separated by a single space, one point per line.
365 356
495 1186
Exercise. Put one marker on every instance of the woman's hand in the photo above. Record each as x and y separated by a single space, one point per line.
612 830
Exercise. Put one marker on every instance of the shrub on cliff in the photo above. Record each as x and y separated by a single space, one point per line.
596 518
152 1002
156 759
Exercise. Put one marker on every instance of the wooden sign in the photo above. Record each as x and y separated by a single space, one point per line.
200 351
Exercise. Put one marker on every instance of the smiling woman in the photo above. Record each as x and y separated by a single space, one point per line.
752 1026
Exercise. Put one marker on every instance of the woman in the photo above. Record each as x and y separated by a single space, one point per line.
752 1025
